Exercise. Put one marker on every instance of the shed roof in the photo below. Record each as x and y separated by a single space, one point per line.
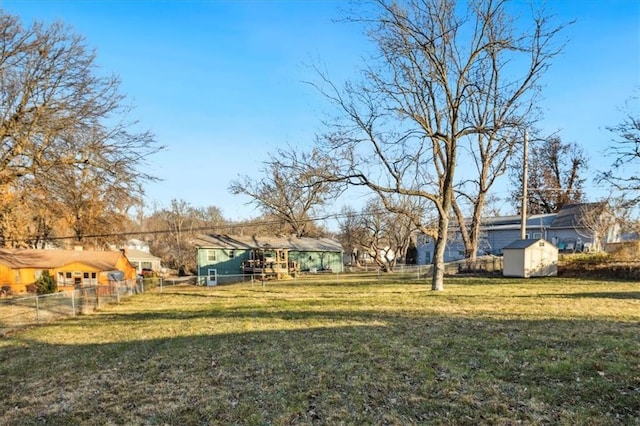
45 259
253 242
523 244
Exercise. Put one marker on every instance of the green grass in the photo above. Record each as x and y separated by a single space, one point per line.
484 351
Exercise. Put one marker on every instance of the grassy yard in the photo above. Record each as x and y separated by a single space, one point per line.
339 351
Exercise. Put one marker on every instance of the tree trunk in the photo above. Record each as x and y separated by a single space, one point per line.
476 225
437 283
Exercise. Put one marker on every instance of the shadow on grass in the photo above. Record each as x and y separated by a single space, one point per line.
391 368
600 295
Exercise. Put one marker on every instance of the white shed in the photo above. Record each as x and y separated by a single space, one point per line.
530 258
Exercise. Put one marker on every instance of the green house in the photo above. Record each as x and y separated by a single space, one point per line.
226 258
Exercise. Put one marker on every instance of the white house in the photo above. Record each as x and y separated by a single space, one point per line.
576 227
143 260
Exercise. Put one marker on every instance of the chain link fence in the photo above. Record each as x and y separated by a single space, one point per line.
369 273
18 312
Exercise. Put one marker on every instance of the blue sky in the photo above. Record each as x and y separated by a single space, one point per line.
222 83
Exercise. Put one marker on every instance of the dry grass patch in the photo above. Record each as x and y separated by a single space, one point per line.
490 351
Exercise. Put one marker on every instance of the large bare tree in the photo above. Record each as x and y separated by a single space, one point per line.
444 73
288 191
60 115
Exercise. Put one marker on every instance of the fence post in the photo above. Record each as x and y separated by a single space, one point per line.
161 284
37 310
117 288
73 302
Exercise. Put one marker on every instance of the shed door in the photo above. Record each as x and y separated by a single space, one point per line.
212 277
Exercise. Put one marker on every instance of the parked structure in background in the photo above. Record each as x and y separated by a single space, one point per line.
530 258
226 258
139 254
143 261
72 269
575 228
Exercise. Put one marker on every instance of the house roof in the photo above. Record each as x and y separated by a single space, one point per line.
253 242
46 259
515 222
139 255
523 244
570 216
574 215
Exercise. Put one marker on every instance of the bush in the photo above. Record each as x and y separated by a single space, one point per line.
45 284
151 281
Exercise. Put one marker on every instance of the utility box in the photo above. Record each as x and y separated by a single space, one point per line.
530 258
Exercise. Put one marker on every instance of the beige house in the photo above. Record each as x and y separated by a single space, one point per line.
141 259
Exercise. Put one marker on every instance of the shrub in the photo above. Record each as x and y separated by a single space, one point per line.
45 284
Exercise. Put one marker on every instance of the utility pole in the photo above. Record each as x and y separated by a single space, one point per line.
523 209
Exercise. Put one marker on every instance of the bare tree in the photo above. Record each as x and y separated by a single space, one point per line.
173 229
490 153
442 76
623 174
288 190
60 114
352 235
599 219
383 236
555 178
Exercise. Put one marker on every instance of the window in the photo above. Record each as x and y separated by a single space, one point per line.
89 278
232 254
211 256
537 235
64 278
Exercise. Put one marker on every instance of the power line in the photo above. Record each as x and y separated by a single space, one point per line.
218 228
